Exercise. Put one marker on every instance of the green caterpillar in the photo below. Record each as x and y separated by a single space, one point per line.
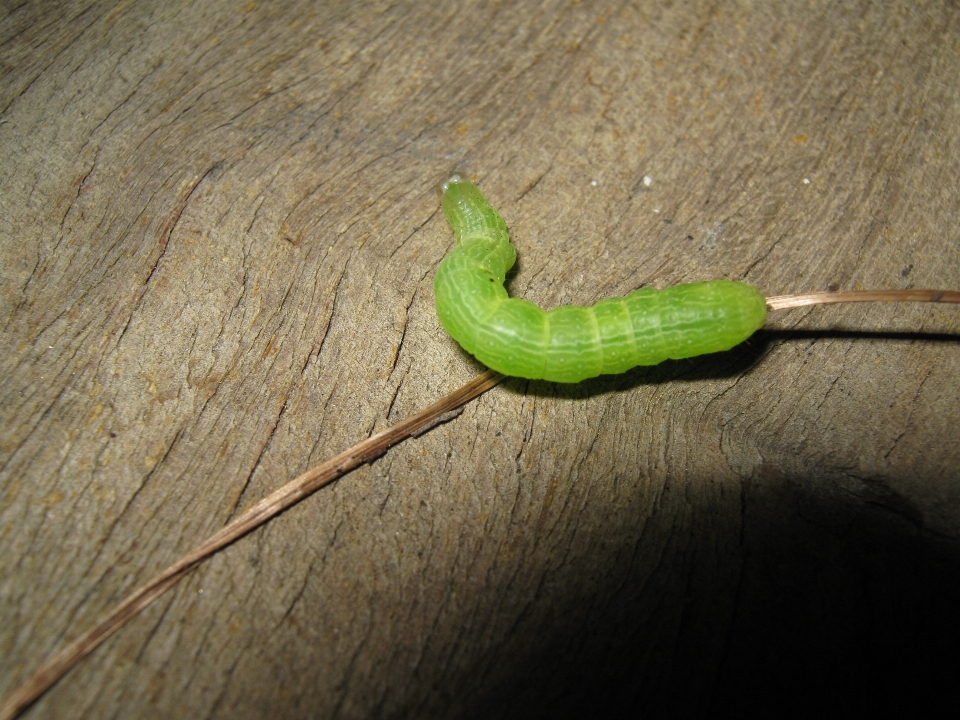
572 343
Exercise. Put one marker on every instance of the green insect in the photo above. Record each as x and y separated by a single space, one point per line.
572 343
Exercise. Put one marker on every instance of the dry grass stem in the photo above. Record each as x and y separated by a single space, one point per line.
291 493
784 302
297 489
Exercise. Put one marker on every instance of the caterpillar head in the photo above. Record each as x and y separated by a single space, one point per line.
452 180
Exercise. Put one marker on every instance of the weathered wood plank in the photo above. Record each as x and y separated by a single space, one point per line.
218 241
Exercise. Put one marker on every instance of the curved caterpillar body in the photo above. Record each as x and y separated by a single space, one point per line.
571 343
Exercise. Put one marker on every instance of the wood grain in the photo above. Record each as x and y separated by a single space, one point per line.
218 241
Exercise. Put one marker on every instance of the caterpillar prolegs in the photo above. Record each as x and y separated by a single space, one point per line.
572 343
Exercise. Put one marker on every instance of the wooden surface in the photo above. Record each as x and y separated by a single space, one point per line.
219 233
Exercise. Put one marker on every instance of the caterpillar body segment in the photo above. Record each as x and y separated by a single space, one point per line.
572 343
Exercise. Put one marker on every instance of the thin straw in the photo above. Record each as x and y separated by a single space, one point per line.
297 489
